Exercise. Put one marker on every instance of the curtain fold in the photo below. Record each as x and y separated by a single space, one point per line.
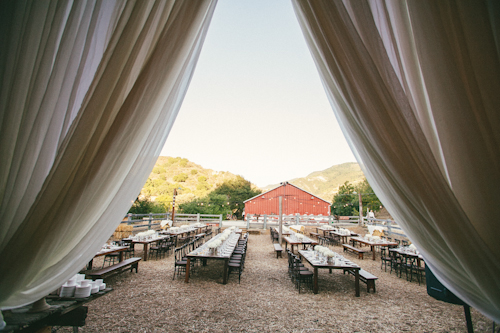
89 93
414 85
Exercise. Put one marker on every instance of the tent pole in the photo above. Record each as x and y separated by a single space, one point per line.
280 220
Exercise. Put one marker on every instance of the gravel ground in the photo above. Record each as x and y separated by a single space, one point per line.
267 301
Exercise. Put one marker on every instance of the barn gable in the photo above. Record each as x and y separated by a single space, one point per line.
295 201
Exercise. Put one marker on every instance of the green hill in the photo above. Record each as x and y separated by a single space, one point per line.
194 181
171 173
326 183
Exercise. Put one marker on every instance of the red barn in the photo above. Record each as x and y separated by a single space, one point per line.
295 201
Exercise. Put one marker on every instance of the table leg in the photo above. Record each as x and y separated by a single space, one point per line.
188 265
89 265
315 280
146 252
373 251
356 282
225 277
120 257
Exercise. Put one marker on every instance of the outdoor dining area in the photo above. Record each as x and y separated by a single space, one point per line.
232 302
201 267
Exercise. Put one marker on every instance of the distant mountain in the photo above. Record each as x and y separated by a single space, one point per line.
326 183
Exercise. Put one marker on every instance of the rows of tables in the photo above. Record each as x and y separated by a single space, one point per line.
166 234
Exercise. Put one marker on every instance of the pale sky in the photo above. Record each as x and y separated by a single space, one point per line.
256 106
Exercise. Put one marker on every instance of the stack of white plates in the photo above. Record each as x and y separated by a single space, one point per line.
81 292
95 289
67 290
102 286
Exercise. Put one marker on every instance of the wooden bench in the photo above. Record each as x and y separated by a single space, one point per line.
314 234
120 267
278 249
348 247
366 277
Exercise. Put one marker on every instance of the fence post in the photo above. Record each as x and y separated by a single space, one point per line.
198 218
150 220
388 223
129 218
248 221
265 222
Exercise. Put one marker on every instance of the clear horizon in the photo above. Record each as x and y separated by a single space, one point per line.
256 106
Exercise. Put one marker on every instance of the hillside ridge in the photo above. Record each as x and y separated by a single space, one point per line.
325 183
193 181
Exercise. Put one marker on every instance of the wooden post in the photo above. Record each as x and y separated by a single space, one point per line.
173 207
360 210
280 220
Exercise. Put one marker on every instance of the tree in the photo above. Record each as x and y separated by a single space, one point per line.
227 198
237 190
342 204
145 206
182 177
369 198
346 201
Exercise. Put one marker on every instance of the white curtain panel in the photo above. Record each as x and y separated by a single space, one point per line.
415 86
89 92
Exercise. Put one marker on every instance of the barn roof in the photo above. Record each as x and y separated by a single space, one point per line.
283 184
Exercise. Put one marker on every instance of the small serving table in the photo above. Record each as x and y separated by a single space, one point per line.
63 311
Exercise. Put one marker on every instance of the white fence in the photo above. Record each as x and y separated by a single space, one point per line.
264 221
198 218
141 222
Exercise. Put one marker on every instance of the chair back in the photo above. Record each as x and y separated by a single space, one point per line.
178 253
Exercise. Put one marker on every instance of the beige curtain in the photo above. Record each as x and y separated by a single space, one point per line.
415 86
89 91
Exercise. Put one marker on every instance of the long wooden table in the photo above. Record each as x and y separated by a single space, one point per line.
343 237
296 241
309 256
146 243
104 252
204 253
372 244
409 254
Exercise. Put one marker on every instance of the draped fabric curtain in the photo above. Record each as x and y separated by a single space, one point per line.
415 86
89 91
